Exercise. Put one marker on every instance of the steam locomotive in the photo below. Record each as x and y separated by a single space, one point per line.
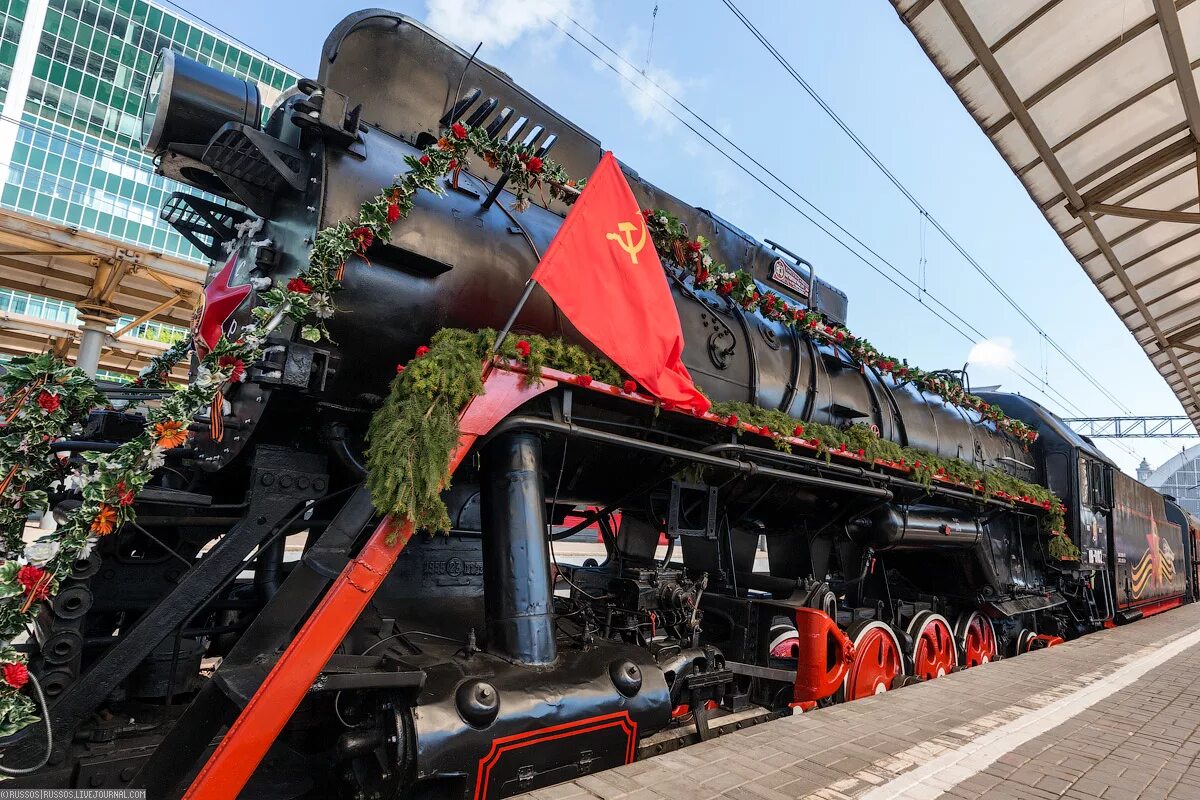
481 668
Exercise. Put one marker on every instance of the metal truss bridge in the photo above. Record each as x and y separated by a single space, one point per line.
1133 427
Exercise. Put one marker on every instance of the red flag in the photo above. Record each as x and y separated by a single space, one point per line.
602 271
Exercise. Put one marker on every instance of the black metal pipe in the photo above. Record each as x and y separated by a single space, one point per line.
337 435
744 467
517 595
79 446
268 568
858 472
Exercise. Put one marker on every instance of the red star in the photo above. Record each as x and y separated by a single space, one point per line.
220 300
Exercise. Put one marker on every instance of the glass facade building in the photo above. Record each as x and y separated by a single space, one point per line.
1179 477
72 76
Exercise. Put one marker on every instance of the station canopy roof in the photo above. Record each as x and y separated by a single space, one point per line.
1093 104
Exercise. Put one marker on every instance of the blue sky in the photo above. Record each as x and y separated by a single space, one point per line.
868 67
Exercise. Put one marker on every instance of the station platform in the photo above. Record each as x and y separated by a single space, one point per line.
1114 716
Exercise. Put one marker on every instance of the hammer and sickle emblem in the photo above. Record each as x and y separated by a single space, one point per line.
624 239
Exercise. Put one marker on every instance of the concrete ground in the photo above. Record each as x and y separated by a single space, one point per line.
1111 716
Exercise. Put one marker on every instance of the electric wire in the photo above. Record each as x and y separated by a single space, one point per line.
45 759
1032 379
794 73
921 290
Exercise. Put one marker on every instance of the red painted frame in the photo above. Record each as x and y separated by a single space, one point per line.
620 719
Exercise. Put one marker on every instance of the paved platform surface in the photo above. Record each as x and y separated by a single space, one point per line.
1114 716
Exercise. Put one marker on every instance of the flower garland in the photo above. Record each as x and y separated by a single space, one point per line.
861 441
156 374
43 400
671 239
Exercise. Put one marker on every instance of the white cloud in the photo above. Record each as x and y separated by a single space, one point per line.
497 23
647 94
997 352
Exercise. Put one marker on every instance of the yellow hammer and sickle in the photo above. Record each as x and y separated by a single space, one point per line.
624 239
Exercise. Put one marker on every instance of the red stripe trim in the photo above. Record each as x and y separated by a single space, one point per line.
516 741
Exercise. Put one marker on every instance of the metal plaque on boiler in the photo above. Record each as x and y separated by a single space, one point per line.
782 273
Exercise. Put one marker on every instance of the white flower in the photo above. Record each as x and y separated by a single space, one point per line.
662 219
155 457
707 260
41 552
322 306
76 481
86 550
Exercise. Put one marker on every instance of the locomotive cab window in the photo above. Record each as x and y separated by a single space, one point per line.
1095 483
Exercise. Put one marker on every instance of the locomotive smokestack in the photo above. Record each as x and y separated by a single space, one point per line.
517 595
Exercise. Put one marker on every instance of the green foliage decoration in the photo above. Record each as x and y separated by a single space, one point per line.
671 240
413 435
924 467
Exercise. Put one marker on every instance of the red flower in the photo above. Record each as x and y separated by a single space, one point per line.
399 368
694 246
534 164
725 288
459 131
702 275
393 213
453 165
421 351
16 675
765 431
105 521
840 336
362 236
299 286
861 452
49 402
732 420
583 380
236 366
124 494
812 323
647 213
34 581
629 387
523 349
424 160
798 432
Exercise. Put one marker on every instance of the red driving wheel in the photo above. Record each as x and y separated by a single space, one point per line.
934 653
878 659
976 639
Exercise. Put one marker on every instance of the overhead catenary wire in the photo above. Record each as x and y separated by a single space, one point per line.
1034 382
1029 377
795 74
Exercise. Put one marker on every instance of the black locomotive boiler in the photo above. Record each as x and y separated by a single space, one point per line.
481 668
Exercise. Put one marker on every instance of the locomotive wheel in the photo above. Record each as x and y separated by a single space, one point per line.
934 653
976 639
878 660
1024 639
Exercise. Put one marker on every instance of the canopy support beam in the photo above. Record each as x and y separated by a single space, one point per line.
987 59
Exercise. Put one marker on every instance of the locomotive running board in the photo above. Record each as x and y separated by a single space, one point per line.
256 728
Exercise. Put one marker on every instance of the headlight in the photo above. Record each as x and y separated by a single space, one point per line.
187 102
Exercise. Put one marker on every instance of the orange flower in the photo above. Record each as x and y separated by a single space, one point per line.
171 433
105 520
